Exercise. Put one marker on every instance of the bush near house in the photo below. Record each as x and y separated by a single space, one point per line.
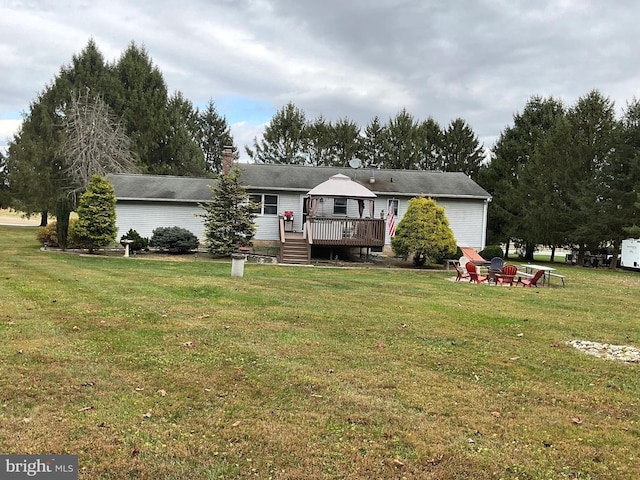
139 242
492 251
96 225
48 235
424 233
173 240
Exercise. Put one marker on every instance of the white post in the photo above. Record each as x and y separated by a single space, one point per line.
237 265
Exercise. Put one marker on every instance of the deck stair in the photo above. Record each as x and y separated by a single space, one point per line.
295 250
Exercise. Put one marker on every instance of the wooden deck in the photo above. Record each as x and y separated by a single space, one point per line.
347 232
295 247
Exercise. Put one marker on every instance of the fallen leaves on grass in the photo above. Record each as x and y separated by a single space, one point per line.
576 420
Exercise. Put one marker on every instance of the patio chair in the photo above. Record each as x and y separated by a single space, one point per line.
461 272
496 263
463 261
533 281
473 274
506 275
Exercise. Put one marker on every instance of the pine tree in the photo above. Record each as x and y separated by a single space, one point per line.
283 140
229 218
213 133
461 149
96 225
373 143
142 103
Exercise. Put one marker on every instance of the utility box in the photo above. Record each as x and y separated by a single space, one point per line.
630 253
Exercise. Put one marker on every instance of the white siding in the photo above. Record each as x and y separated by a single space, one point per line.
144 217
466 218
267 225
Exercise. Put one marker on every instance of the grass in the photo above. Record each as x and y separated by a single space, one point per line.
164 370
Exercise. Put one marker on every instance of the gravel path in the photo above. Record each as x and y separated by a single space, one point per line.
620 353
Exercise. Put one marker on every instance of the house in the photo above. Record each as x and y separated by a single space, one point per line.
356 217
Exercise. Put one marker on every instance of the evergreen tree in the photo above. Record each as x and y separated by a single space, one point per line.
401 149
63 209
429 144
319 142
179 152
346 142
34 165
142 103
229 218
373 144
424 233
461 150
283 140
213 133
96 225
593 143
37 168
511 157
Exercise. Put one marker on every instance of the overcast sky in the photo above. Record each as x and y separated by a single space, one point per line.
480 60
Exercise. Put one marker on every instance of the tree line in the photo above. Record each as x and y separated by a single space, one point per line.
565 176
97 117
559 175
404 142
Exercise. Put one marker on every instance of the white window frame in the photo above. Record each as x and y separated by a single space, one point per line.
259 198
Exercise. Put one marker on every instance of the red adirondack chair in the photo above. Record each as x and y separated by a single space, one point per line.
473 274
507 275
532 282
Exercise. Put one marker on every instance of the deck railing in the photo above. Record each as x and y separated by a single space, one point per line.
356 232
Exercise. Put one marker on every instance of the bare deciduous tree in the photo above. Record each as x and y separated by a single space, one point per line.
96 142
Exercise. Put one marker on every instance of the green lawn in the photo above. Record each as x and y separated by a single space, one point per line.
154 369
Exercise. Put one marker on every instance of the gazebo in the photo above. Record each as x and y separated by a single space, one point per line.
336 230
343 230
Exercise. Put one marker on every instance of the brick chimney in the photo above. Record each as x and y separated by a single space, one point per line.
227 159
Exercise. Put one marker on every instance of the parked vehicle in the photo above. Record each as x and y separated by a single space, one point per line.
630 253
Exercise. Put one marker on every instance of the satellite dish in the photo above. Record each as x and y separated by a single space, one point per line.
355 163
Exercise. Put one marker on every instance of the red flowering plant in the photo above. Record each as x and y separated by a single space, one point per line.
288 215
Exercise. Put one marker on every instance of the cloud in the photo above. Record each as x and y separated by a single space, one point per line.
480 61
8 128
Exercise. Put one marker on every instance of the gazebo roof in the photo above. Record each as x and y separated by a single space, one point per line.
340 185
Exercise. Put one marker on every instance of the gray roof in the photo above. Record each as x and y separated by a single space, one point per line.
298 178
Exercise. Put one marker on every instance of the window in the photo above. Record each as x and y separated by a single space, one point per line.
265 204
339 206
393 207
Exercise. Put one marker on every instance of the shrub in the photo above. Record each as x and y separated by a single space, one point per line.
492 251
96 224
424 232
49 235
139 243
173 240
